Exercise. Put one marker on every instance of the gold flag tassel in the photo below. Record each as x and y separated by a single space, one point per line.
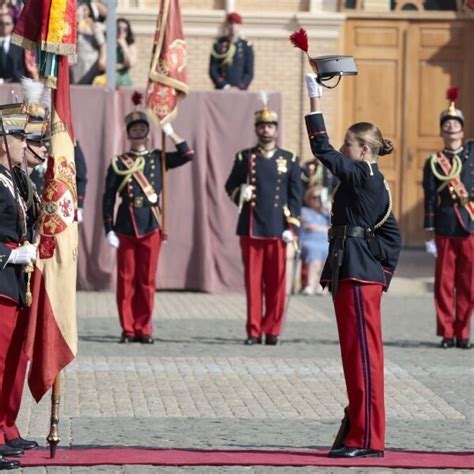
28 269
53 436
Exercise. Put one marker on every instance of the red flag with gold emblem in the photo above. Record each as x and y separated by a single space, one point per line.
52 333
168 76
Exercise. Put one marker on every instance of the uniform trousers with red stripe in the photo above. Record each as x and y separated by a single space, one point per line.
357 307
137 261
265 283
13 363
454 286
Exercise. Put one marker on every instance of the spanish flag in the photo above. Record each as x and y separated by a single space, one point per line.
168 75
51 341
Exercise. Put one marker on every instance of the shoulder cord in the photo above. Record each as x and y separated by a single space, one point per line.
455 171
138 165
389 208
228 56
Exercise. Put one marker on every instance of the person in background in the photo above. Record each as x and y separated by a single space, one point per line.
265 184
448 184
90 46
232 57
314 238
12 57
135 230
126 56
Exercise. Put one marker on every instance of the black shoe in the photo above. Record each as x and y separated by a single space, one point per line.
145 339
271 340
251 340
127 339
346 452
463 343
21 443
446 343
6 464
5 450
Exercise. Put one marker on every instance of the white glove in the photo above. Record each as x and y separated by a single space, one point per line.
167 129
246 192
80 217
287 236
24 255
430 247
314 88
113 240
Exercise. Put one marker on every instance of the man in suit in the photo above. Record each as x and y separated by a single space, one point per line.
231 62
12 57
265 182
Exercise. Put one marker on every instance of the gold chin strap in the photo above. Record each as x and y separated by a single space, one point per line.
138 165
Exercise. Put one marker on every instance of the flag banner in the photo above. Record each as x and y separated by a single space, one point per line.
168 76
47 24
49 27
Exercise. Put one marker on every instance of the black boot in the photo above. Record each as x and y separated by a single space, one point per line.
346 452
6 464
446 343
463 343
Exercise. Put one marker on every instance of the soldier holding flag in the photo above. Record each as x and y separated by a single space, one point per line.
135 232
15 253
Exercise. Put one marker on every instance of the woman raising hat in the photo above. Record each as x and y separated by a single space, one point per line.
364 244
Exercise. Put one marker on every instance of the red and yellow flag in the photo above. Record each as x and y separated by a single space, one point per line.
52 333
168 76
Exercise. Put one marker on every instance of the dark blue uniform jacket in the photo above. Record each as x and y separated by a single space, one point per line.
360 200
240 72
12 277
131 220
276 204
442 210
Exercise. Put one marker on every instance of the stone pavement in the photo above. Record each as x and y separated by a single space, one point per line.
199 387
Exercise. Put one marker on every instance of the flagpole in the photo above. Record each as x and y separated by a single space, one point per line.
111 59
53 437
164 199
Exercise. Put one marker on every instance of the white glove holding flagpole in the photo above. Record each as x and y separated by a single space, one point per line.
312 86
24 255
430 246
167 129
113 240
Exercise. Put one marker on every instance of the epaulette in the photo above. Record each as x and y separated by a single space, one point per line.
292 154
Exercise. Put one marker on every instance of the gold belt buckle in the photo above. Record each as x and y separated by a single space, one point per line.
138 201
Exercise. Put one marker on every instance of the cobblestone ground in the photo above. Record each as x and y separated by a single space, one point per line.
200 387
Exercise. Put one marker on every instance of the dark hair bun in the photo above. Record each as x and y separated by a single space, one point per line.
386 148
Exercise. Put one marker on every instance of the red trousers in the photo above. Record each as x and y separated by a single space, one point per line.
357 308
137 261
265 275
454 286
13 363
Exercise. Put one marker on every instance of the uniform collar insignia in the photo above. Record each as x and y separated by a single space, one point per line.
136 154
267 153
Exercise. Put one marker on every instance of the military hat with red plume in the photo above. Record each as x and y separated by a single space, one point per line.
326 67
451 112
136 116
233 17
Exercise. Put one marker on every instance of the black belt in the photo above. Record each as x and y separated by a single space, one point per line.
343 231
446 201
138 201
